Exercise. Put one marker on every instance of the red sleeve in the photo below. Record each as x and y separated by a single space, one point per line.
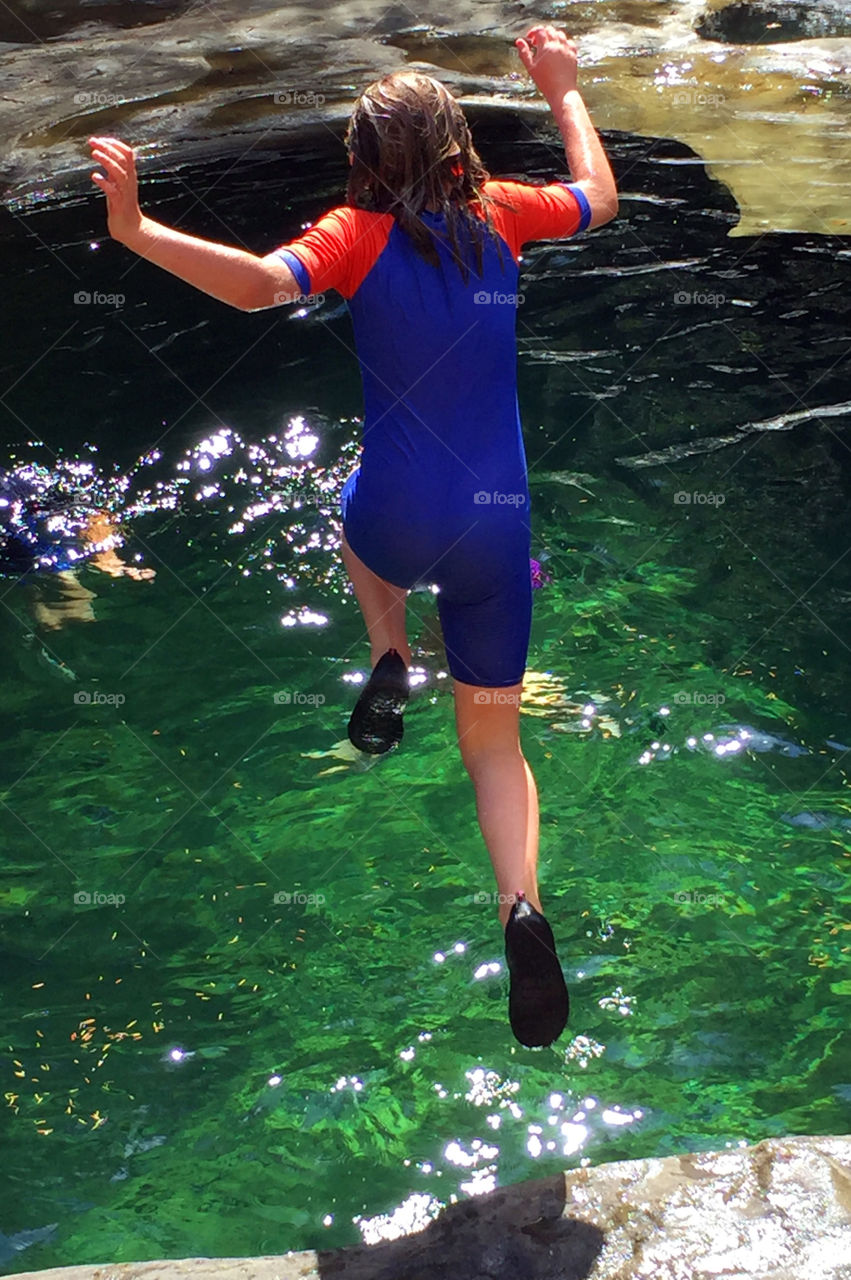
552 212
339 249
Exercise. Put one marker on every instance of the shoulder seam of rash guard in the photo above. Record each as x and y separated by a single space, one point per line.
582 201
297 267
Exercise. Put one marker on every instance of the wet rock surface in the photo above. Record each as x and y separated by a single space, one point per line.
777 1210
36 20
180 79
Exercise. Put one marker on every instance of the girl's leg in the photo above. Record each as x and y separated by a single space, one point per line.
382 605
488 723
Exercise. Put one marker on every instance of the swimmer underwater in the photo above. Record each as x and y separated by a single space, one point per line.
425 251
51 526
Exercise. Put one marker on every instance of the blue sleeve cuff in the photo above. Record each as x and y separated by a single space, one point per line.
298 269
584 206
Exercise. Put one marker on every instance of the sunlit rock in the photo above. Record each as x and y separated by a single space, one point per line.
776 1210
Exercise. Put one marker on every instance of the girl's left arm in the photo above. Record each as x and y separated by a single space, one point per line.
235 276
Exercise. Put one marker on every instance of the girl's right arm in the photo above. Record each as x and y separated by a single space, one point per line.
241 279
550 58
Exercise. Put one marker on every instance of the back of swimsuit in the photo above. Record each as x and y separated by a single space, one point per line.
441 494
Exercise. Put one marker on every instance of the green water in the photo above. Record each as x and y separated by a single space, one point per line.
202 1069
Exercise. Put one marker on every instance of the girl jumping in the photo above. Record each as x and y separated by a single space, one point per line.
425 251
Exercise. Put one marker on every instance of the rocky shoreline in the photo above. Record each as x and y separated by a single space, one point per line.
181 80
780 1210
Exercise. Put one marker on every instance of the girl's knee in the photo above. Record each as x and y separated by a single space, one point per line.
487 728
482 752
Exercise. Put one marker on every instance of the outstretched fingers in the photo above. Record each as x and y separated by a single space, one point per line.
550 58
111 160
538 39
115 157
118 182
527 55
112 144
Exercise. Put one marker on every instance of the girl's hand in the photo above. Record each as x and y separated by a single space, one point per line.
550 59
124 217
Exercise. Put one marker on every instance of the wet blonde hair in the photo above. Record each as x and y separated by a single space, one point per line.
410 146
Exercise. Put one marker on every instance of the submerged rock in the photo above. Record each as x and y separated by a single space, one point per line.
777 1210
10 1246
816 820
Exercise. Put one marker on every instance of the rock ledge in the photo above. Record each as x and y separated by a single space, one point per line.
780 1210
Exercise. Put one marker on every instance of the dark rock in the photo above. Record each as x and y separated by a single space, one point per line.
774 21
23 21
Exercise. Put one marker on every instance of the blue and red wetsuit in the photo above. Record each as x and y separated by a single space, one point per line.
441 493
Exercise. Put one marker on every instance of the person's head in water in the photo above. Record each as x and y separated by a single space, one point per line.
410 150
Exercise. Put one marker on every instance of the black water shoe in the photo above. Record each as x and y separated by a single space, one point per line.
376 725
538 1003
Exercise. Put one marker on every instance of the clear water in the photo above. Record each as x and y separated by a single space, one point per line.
201 1069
